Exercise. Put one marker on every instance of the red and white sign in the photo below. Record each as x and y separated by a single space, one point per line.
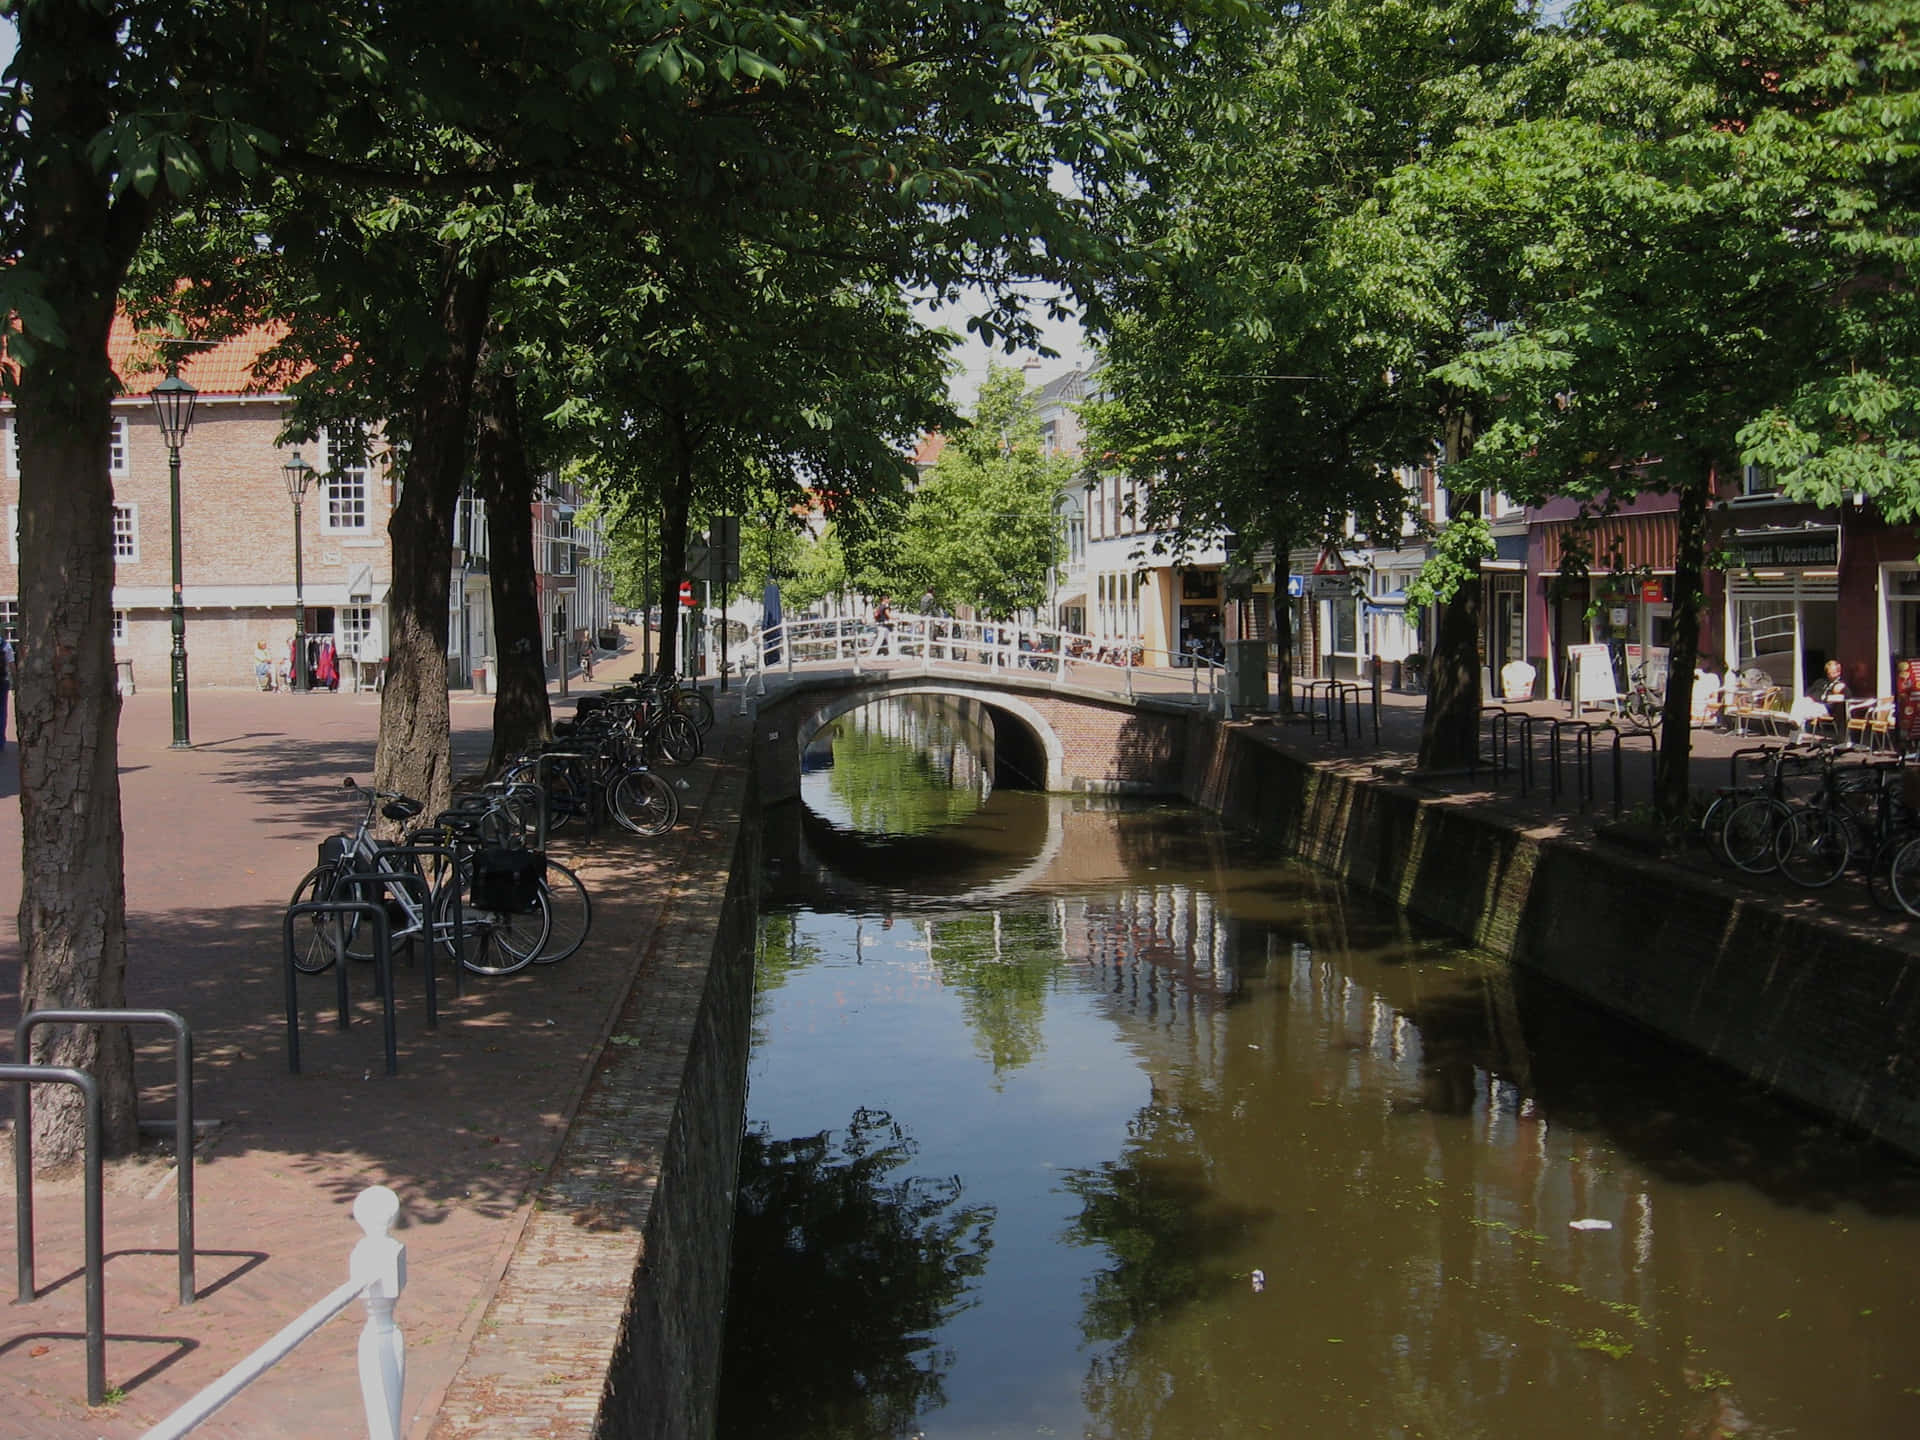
1329 562
686 594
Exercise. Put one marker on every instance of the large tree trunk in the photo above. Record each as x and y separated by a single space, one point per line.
1672 774
1450 727
521 717
78 243
413 754
1283 619
676 504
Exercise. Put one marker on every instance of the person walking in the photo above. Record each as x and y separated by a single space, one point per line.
882 628
586 657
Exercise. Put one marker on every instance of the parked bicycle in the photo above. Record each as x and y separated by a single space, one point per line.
486 909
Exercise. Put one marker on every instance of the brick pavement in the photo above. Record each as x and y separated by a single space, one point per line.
216 839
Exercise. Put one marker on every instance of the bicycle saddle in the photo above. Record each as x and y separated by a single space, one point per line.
401 809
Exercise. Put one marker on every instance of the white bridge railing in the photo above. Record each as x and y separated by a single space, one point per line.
377 1273
970 646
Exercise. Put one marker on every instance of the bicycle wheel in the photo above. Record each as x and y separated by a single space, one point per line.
492 942
1812 848
644 803
318 939
1748 837
1713 824
695 705
675 739
1880 875
569 914
1903 877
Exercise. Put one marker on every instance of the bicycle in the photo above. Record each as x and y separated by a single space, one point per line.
492 819
502 926
1642 705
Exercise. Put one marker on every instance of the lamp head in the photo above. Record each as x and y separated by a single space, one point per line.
298 474
173 405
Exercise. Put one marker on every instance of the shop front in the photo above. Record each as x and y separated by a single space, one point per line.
1782 614
1605 580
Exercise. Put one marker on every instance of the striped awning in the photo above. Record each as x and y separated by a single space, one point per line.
1639 540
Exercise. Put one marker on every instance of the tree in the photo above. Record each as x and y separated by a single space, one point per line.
980 529
1658 285
112 112
1251 380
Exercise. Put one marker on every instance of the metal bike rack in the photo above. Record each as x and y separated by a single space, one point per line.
1582 732
1527 722
382 958
451 857
1499 742
25 1076
182 1129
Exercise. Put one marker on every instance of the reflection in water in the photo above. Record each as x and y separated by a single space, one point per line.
1169 1066
902 767
842 1271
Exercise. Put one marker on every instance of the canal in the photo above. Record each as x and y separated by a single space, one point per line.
1073 1118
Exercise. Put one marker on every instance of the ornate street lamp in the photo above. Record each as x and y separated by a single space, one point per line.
298 474
173 405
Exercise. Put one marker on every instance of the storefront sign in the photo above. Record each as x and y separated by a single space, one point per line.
1653 591
1906 695
1817 548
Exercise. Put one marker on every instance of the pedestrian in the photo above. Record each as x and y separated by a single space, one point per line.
882 628
262 665
586 658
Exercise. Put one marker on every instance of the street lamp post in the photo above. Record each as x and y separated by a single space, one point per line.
173 404
298 474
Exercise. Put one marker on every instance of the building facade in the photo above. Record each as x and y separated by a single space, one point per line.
238 536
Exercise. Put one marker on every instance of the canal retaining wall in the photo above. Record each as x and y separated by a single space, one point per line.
1814 1007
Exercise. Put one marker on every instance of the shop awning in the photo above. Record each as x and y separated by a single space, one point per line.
1634 540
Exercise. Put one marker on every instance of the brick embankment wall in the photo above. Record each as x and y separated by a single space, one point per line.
608 1321
1816 1008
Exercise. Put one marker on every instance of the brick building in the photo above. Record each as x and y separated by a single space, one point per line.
237 532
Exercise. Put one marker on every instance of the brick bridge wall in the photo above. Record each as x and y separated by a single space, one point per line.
1819 1010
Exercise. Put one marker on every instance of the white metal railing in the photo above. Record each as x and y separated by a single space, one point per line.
377 1272
972 645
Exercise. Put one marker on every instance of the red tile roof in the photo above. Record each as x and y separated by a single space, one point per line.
929 448
225 368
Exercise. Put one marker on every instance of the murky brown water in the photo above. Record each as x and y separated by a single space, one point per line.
1106 1127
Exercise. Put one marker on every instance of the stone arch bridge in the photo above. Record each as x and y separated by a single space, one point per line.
1048 735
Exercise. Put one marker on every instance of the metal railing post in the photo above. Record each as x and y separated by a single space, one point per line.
182 1106
24 1078
379 1266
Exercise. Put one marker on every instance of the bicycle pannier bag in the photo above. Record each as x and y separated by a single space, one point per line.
333 849
508 880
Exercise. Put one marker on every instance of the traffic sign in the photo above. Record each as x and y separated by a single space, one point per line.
686 594
1329 562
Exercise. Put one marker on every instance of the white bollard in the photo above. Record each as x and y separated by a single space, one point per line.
379 1265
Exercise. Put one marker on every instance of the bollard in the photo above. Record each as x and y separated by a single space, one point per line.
379 1264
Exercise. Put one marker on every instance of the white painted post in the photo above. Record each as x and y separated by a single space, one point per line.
379 1265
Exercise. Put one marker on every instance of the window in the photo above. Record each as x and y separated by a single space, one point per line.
560 543
1758 480
126 532
119 627
10 619
13 447
117 446
351 626
346 479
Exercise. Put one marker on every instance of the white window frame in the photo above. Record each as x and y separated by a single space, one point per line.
355 492
132 533
351 625
120 447
119 627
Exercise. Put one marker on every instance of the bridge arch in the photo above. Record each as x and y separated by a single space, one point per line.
1033 752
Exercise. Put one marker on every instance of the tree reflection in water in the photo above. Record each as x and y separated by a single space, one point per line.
842 1269
1003 964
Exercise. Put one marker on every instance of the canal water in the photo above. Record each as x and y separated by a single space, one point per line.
1089 1119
